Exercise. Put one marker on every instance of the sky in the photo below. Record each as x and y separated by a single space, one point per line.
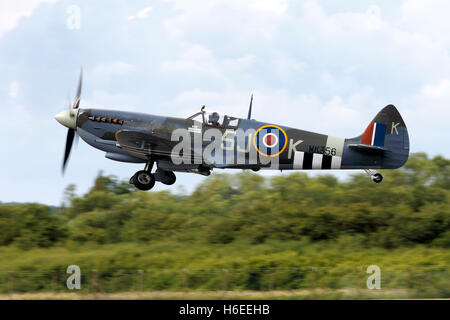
323 66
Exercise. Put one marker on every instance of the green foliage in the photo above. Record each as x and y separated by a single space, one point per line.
273 265
410 207
29 225
242 221
110 184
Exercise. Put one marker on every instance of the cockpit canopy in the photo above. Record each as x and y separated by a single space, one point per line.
214 119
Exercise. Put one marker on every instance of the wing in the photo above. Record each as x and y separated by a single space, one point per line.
143 145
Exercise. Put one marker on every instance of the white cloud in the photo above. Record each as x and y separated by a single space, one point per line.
194 58
285 65
12 11
373 17
105 100
20 124
430 108
113 68
438 91
269 6
142 14
341 116
14 89
242 18
429 18
198 60
373 38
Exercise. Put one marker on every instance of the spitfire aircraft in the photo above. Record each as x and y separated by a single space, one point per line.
205 141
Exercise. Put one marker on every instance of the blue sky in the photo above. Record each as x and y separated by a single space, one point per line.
324 66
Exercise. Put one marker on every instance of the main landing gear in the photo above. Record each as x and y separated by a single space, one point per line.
375 176
145 180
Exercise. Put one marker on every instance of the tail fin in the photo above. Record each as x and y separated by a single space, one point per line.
383 145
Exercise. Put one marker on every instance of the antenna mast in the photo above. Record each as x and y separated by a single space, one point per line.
250 108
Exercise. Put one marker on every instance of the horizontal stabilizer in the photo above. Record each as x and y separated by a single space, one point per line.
368 148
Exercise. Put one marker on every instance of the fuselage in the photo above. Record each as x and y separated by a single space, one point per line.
240 138
201 143
299 150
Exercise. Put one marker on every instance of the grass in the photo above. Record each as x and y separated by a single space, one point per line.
256 270
218 295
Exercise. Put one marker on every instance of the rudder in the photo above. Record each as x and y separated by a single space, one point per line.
384 144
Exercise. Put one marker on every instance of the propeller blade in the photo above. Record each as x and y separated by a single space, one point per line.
76 102
69 141
76 140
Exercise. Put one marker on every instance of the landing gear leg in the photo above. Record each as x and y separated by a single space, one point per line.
149 165
144 179
375 176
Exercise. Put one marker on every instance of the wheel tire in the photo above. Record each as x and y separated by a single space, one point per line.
171 178
377 178
143 180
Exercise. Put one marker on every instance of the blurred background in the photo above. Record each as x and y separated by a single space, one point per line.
322 66
238 236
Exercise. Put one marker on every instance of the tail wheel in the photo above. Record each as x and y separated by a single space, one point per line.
143 180
377 178
171 178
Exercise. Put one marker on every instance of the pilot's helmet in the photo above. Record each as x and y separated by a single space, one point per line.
214 117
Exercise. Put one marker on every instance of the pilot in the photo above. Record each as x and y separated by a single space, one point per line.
214 119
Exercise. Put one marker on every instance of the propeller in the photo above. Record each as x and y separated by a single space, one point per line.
76 102
71 132
69 143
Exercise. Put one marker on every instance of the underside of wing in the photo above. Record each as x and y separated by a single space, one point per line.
143 145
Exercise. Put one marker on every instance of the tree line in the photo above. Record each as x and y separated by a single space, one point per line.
410 207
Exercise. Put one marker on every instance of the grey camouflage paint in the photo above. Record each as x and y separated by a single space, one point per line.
137 137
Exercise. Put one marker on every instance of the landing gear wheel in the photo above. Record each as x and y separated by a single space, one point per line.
171 178
143 180
377 178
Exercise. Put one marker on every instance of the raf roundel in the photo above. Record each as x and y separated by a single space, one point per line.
270 140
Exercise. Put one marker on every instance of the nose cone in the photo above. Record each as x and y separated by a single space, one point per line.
68 118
